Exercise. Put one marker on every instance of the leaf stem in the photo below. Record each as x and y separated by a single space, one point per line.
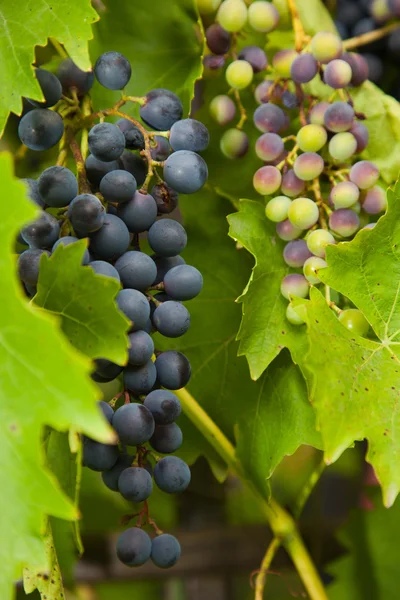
299 34
266 562
370 36
58 47
306 490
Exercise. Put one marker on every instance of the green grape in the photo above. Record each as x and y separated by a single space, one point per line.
311 138
293 317
206 7
354 321
303 213
232 15
311 267
326 46
277 209
222 109
263 16
342 146
282 62
318 240
267 180
344 194
309 165
239 74
234 143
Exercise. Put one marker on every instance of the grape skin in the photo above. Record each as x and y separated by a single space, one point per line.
342 146
282 62
133 547
292 316
161 109
41 233
106 369
140 380
166 198
374 200
136 270
222 109
167 237
86 213
183 282
118 186
364 174
96 169
344 194
71 77
164 264
318 240
166 439
311 138
135 484
304 68
326 46
232 15
173 369
339 117
303 213
287 232
134 424
171 319
294 285
269 146
344 222
40 129
218 39
337 74
239 74
359 67
263 16
189 134
66 241
311 267
296 253
141 348
51 89
269 118
134 165
134 139
234 143
135 306
291 185
267 180
33 191
164 406
354 321
97 456
165 551
317 113
268 91
111 240
255 56
172 475
361 134
113 71
110 477
101 267
28 265
308 166
185 171
139 213
277 209
57 186
106 142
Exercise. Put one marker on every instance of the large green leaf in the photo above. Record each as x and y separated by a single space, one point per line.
314 16
85 302
43 381
50 584
24 26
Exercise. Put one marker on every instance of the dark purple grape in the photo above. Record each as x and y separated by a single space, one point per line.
141 347
57 186
173 369
375 67
268 91
165 551
166 198
287 232
96 169
161 109
172 475
97 456
359 67
111 240
345 222
189 134
118 186
86 213
40 129
291 185
141 379
71 77
269 117
255 56
213 62
171 319
28 265
51 89
110 477
183 282
339 117
135 484
139 213
135 165
296 253
113 71
166 439
167 237
106 142
164 406
134 139
101 267
304 68
164 264
133 547
134 424
136 269
361 134
41 233
66 241
161 149
185 171
218 39
33 191
135 306
106 370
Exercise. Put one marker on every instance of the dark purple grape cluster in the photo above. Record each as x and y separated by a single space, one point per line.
110 206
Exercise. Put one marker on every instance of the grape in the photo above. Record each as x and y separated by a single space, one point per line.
255 56
326 46
86 213
164 406
339 117
218 39
269 117
292 316
183 282
57 186
317 113
239 74
171 319
71 77
342 146
173 369
369 226
374 200
304 68
113 70
66 241
290 100
100 267
141 347
41 233
189 134
318 240
139 213
28 265
110 477
263 16
185 171
354 321
106 142
269 146
166 198
291 185
364 174
134 165
294 285
359 67
167 237
344 194
166 439
267 180
135 306
118 186
165 551
337 74
282 62
51 89
286 231
345 222
213 62
140 379
222 109
303 213
375 67
207 7
133 423
40 129
308 166
161 109
164 264
107 370
232 15
106 410
296 253
135 484
277 209
97 456
134 139
162 149
311 138
311 267
133 547
136 270
172 475
33 191
234 143
268 91
96 169
361 134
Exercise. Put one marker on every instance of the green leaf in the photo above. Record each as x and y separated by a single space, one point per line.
315 16
164 45
354 387
85 302
24 26
44 381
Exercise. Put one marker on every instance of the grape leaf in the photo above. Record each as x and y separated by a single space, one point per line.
165 51
44 381
315 16
24 26
354 386
85 302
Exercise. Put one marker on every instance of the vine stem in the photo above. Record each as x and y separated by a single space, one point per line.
281 522
370 36
299 34
242 110
59 48
266 562
306 490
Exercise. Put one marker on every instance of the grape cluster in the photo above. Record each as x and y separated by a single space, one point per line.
110 206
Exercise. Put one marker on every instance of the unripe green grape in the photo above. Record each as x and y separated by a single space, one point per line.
234 143
326 46
364 174
267 180
277 209
308 166
282 62
354 321
287 232
338 74
206 7
294 285
232 15
263 16
222 109
239 74
317 113
344 194
374 200
303 213
311 268
293 317
311 138
342 146
318 240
